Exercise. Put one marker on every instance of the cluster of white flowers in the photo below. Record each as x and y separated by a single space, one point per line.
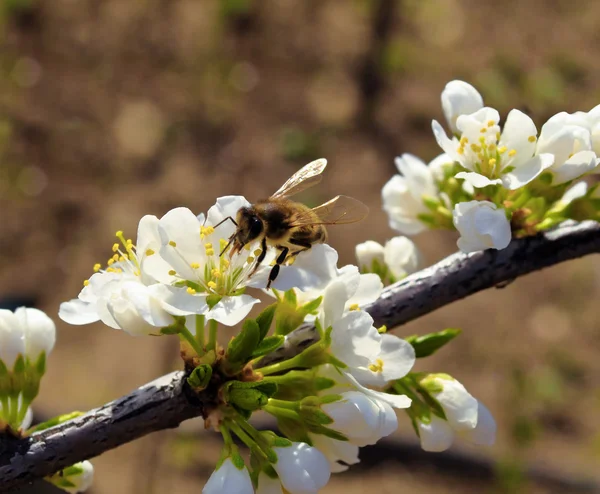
493 182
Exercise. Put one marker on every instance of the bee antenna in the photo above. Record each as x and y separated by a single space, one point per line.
224 220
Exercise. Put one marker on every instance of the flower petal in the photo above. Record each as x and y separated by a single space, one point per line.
519 134
574 167
78 312
477 180
231 310
526 172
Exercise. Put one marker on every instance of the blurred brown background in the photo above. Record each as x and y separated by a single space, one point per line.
115 109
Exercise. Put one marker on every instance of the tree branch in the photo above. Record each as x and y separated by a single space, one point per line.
166 402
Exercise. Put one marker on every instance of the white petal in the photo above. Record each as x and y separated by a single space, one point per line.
574 167
226 206
302 469
354 340
177 301
398 356
78 312
147 234
128 319
449 146
146 306
477 180
396 401
436 436
228 478
484 433
526 172
458 98
367 252
459 405
368 290
231 310
12 338
519 134
417 174
575 192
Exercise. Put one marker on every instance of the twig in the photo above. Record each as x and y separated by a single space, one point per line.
165 403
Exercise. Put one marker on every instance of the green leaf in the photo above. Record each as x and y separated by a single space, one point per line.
268 345
430 343
241 347
265 319
55 421
200 377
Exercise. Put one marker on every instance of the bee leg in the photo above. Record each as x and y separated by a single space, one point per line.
275 270
261 256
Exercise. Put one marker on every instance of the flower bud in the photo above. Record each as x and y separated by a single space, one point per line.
367 253
302 469
401 256
229 478
40 332
12 338
458 404
362 419
74 479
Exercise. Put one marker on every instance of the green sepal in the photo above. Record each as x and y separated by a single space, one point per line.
18 377
329 399
325 431
267 345
265 319
174 328
40 365
311 307
288 317
200 377
248 396
290 297
213 299
54 421
240 348
237 460
293 429
428 344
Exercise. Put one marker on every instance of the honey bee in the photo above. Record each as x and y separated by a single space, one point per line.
289 226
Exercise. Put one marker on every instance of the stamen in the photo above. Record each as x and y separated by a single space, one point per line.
483 130
212 285
97 267
150 252
172 243
354 307
377 366
194 265
216 273
190 290
491 123
531 138
502 149
115 247
512 152
172 272
110 262
492 162
86 282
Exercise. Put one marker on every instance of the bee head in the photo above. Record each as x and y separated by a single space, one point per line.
250 226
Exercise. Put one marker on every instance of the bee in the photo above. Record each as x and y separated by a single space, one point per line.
291 227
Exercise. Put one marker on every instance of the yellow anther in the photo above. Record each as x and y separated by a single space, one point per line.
502 149
119 234
354 307
115 247
492 147
208 230
172 272
110 262
86 282
115 257
190 290
111 270
482 139
483 130
208 245
122 258
491 123
194 265
150 252
216 273
97 267
210 252
531 138
247 246
250 260
212 285
377 366
497 136
464 140
172 243
129 242
225 262
492 161
461 150
119 270
512 152
257 252
475 148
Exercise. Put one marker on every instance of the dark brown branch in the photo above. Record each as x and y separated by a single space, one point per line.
163 403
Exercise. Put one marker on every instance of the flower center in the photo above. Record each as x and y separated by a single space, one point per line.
124 259
377 366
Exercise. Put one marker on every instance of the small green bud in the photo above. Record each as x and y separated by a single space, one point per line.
200 377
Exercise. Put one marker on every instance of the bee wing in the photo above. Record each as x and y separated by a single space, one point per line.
338 211
304 178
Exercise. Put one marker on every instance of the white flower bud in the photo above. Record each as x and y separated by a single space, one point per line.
436 435
367 252
83 479
229 478
481 226
458 404
12 338
362 419
459 98
39 329
302 469
401 256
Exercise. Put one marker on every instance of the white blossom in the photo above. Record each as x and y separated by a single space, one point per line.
459 98
403 194
229 478
491 157
362 419
12 338
481 226
302 469
191 246
568 138
125 295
